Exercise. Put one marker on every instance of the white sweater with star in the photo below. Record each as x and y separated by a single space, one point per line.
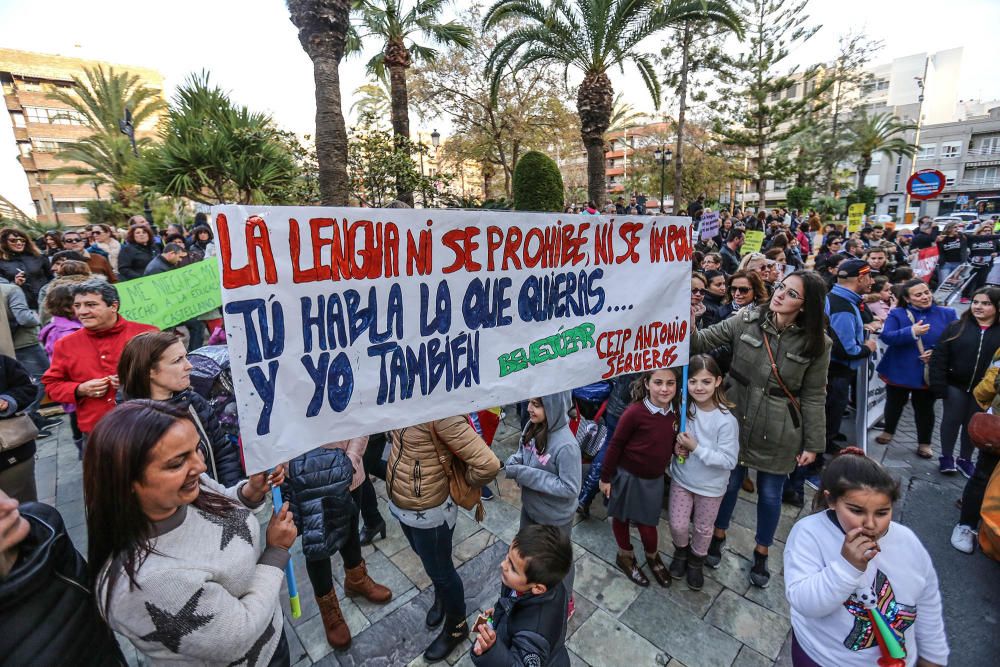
827 595
208 594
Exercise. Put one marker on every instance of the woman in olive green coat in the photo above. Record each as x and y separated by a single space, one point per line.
781 415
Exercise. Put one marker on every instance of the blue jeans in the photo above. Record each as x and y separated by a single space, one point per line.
769 487
433 546
945 269
589 488
35 362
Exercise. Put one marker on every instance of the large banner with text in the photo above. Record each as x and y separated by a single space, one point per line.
349 321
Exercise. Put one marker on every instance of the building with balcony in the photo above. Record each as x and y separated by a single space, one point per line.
967 152
42 126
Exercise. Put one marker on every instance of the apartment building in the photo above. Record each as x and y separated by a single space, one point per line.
967 152
42 126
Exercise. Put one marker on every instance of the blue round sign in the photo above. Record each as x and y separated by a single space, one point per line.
925 184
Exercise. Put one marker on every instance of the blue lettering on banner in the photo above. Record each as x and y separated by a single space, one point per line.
568 294
455 360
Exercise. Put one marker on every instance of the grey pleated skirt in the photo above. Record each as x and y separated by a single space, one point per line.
635 499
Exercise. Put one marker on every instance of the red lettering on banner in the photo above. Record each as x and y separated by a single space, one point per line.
462 242
257 238
510 247
629 233
419 259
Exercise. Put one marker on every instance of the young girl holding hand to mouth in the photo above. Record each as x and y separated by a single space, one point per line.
850 564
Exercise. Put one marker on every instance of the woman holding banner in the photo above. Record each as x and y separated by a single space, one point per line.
177 559
778 382
417 482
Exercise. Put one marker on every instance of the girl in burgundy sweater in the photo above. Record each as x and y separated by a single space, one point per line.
632 477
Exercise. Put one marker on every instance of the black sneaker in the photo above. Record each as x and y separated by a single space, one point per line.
714 556
790 497
760 576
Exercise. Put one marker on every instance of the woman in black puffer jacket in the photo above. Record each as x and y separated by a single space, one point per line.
322 489
959 362
21 264
136 254
155 365
47 611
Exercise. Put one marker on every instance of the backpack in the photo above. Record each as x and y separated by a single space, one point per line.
212 379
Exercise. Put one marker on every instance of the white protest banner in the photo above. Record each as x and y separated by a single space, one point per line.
709 225
348 321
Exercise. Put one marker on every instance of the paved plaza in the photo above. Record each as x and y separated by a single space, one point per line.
616 623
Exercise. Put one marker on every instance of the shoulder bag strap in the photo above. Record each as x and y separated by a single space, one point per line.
920 341
777 375
442 452
208 443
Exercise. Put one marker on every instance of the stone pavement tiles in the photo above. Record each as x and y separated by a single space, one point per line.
616 623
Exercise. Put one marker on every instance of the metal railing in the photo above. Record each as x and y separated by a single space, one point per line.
988 150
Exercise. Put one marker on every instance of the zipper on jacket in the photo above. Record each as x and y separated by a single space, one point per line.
972 380
416 478
395 465
71 582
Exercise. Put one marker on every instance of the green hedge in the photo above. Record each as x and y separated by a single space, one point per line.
538 185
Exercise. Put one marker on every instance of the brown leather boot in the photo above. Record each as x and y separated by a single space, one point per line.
338 635
626 563
357 582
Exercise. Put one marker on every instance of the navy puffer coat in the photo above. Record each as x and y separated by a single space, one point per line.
221 456
318 490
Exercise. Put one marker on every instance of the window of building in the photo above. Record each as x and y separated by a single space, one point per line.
871 180
25 148
70 207
951 149
949 176
17 118
37 114
927 152
792 91
54 116
45 145
775 95
989 145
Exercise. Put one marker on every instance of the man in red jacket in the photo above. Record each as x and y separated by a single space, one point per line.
84 364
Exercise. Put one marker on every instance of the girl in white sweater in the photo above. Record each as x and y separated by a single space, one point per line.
850 570
705 454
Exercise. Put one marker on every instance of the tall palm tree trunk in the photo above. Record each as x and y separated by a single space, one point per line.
397 60
682 93
331 133
594 103
323 30
863 169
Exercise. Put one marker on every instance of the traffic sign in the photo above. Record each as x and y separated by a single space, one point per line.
962 200
925 184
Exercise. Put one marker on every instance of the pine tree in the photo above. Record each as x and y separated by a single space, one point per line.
758 107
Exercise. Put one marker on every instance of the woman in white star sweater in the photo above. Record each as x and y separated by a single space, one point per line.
177 559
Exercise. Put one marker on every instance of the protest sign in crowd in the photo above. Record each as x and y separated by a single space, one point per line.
300 356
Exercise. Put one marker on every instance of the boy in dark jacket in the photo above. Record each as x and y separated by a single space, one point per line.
528 624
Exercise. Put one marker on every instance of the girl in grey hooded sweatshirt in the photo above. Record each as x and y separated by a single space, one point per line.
547 466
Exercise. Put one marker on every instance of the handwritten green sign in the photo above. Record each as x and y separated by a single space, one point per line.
168 299
754 240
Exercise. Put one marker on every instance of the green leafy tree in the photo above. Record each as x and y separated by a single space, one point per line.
879 133
323 27
799 198
529 113
538 186
756 110
380 164
105 157
398 29
692 48
592 36
213 151
864 196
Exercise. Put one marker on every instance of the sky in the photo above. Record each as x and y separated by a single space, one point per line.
252 50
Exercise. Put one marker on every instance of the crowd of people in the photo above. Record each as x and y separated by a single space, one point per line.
177 563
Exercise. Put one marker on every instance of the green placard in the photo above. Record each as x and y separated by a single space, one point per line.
754 239
169 298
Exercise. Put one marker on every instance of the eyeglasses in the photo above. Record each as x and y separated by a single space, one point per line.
740 290
836 242
792 294
697 291
75 239
16 239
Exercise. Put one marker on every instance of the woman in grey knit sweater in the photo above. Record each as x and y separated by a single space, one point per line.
177 559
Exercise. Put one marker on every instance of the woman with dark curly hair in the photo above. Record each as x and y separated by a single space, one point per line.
21 264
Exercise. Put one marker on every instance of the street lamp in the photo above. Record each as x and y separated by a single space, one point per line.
663 156
126 126
435 138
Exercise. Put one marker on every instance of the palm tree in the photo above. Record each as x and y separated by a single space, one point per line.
387 21
105 157
373 99
323 27
593 36
624 115
879 133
